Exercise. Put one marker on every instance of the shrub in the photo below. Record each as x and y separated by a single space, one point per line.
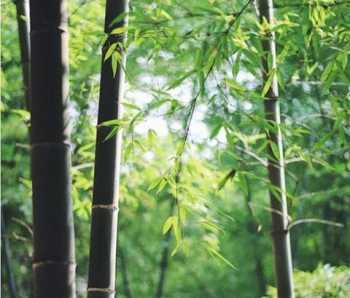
324 282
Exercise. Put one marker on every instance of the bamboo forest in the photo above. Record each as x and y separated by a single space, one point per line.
175 149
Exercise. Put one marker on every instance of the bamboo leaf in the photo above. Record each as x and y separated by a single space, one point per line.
178 81
112 133
110 51
268 83
177 233
215 253
229 176
115 60
131 106
168 224
115 122
119 18
24 114
275 151
119 30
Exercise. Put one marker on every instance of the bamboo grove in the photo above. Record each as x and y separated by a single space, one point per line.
269 80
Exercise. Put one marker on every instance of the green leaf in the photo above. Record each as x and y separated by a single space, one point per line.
275 151
215 253
131 106
138 142
151 135
158 184
342 58
236 65
115 59
110 51
178 238
215 131
228 176
235 86
112 133
327 71
119 30
115 122
24 114
119 18
243 184
268 83
178 81
169 224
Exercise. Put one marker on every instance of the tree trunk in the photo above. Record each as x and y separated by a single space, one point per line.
280 233
53 257
22 14
102 266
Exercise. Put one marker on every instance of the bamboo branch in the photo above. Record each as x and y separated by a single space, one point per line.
314 220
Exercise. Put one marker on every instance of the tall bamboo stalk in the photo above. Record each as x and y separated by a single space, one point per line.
276 171
124 272
6 257
22 15
164 259
53 258
102 266
252 227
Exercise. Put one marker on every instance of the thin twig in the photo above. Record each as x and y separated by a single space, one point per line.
315 220
23 224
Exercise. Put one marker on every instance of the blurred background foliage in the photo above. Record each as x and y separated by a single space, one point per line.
200 56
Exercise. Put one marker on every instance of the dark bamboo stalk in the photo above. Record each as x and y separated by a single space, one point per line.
124 271
164 260
102 266
278 200
53 257
6 254
163 265
22 14
252 228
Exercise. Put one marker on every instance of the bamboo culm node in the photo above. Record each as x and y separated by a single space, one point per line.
103 290
109 207
46 263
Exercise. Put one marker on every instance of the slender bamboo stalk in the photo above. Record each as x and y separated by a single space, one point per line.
53 258
164 260
252 228
6 254
278 200
22 14
163 265
102 266
124 271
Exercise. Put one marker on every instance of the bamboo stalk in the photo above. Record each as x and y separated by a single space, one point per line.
124 272
276 171
6 254
102 263
53 257
164 260
252 227
22 15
